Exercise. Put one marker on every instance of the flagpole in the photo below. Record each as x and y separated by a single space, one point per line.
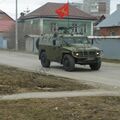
68 13
68 16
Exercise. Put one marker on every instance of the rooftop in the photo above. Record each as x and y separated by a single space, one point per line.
48 10
112 21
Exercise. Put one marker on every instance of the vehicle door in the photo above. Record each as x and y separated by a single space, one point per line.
56 50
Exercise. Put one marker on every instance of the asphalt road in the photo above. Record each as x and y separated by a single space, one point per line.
108 75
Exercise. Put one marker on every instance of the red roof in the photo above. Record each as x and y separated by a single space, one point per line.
5 25
48 10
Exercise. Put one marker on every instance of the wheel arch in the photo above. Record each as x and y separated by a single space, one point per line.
63 54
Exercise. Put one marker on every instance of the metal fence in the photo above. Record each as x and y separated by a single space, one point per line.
109 45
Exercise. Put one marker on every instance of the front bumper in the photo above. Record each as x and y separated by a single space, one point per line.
89 60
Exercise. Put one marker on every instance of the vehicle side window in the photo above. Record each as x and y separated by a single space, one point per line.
56 42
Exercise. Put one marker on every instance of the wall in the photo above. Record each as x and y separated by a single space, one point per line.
67 23
3 43
32 26
30 44
110 31
27 27
110 46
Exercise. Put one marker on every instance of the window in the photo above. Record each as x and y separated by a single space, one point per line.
74 28
112 34
102 7
94 7
83 29
54 27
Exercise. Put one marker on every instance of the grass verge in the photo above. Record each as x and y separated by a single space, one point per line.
13 80
80 108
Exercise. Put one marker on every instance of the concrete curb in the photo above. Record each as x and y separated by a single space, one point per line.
83 93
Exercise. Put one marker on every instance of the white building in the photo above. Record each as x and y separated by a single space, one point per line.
97 7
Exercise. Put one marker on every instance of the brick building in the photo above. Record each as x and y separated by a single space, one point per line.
111 25
6 24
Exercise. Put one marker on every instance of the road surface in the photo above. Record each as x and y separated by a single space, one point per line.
108 75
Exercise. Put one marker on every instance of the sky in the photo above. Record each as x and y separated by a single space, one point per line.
8 6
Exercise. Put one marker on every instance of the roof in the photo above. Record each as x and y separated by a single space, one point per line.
5 26
112 21
48 10
3 13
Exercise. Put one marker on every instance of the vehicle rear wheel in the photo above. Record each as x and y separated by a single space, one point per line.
96 66
68 62
44 61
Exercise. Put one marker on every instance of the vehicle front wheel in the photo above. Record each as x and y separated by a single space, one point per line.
44 61
96 66
68 62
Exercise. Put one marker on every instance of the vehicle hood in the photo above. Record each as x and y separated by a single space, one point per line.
79 47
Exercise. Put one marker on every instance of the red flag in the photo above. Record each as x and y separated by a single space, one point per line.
63 10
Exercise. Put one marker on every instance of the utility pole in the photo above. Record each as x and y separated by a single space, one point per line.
16 27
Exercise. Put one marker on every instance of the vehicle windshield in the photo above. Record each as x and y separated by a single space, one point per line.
76 40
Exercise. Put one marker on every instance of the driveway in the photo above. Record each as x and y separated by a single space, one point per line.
108 75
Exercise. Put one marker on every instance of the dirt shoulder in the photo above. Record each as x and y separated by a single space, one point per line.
80 108
13 80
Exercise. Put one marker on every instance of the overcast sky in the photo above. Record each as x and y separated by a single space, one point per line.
8 6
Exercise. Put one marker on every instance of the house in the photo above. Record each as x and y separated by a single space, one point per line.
45 20
6 23
111 25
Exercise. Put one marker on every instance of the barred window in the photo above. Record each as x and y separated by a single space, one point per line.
54 27
74 28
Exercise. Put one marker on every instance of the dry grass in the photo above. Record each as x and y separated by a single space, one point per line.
80 108
13 80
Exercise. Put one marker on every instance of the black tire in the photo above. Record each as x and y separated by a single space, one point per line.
68 62
44 61
96 66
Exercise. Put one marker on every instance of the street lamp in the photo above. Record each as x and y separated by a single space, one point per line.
16 27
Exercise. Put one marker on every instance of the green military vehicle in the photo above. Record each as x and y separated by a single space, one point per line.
68 50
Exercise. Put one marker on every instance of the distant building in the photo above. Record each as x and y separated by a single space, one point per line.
97 7
77 5
111 25
118 6
6 24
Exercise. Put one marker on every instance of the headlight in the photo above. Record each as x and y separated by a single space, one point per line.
97 53
77 54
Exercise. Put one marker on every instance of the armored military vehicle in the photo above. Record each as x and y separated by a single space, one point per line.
68 49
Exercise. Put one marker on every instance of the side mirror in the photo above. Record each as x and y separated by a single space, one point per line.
54 42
